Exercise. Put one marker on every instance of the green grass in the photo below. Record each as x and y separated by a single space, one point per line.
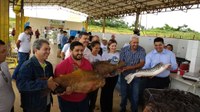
153 32
108 29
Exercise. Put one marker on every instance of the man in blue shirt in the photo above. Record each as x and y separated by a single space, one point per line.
134 57
64 39
160 55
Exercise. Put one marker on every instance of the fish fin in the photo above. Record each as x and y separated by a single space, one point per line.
129 78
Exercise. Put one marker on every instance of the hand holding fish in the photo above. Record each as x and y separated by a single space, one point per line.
83 81
157 69
51 84
127 68
169 67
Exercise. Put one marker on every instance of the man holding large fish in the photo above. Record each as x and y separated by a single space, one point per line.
156 56
72 101
35 80
134 57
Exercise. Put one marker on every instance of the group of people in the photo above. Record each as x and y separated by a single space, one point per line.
34 76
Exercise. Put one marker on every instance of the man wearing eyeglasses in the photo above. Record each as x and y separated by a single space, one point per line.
7 96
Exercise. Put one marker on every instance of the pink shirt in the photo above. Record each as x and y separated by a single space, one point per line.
67 66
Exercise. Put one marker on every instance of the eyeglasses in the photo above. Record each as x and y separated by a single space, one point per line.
3 75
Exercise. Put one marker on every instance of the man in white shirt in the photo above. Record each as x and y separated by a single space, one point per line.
7 95
84 39
23 44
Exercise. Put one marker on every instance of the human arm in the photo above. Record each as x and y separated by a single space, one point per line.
140 64
20 39
173 62
18 43
148 61
134 67
27 80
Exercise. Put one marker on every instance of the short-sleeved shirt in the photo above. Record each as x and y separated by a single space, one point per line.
66 47
104 48
109 56
132 58
63 41
25 43
93 58
86 53
58 38
67 66
113 58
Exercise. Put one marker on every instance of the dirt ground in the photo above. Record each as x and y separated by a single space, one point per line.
55 108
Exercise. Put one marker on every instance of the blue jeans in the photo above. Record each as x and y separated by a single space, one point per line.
117 87
131 92
67 106
22 57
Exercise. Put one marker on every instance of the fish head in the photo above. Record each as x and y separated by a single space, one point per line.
105 67
121 64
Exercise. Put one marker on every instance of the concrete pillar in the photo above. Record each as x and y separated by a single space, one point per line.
193 54
18 24
4 20
20 19
137 20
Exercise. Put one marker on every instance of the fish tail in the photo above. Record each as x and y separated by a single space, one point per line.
129 78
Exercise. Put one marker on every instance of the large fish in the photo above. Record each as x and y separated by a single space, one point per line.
157 69
80 81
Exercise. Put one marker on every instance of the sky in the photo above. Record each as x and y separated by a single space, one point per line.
175 18
49 12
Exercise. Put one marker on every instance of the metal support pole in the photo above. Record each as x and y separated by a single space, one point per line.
22 16
4 20
18 25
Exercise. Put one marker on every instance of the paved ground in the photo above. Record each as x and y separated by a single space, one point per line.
54 60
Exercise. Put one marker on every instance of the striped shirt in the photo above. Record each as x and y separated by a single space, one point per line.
132 58
165 57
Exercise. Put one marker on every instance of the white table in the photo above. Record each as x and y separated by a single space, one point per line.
177 82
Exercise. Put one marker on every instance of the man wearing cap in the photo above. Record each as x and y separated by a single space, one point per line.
104 43
23 45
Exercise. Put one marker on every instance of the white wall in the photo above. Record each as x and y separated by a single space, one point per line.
180 46
193 54
189 49
39 23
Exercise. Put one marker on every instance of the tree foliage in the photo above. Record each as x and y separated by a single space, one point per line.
120 23
114 22
183 28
